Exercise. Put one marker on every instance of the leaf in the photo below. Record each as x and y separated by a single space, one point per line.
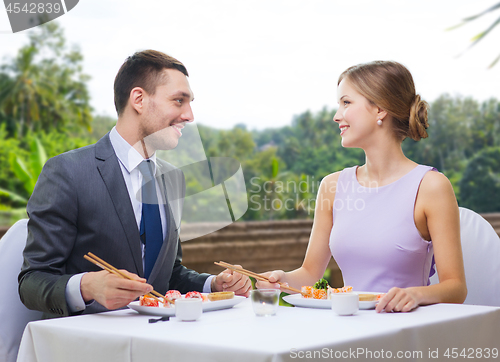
13 196
494 62
474 17
275 168
21 171
455 26
38 157
481 35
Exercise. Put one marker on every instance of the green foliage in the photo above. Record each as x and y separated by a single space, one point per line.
321 284
282 302
98 128
283 167
275 167
21 162
8 180
45 111
43 87
236 143
27 172
283 170
480 184
311 146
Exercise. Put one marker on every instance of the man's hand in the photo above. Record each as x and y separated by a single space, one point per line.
112 291
231 281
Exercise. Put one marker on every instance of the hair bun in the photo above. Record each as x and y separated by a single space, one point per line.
418 119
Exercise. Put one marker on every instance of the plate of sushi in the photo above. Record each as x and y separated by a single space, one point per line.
166 307
319 296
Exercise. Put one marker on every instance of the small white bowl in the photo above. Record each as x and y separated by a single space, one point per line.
345 303
188 309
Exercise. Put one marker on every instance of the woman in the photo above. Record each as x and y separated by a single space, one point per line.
378 220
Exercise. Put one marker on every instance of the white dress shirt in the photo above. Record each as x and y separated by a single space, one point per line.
129 159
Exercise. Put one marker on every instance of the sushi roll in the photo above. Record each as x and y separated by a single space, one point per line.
196 295
306 291
319 293
147 301
346 289
170 298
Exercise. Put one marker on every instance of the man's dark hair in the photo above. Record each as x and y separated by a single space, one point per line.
143 69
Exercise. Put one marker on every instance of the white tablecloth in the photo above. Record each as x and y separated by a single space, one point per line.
293 334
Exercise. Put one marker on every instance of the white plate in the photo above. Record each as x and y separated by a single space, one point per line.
207 306
298 301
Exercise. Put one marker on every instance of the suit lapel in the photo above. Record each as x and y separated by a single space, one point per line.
111 173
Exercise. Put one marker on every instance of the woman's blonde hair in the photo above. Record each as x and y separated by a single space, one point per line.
389 85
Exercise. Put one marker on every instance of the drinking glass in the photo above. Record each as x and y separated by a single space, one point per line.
265 301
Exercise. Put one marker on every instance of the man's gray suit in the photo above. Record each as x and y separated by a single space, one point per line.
81 204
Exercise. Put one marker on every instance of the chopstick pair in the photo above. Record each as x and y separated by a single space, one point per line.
108 267
254 275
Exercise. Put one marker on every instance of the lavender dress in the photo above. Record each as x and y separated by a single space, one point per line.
374 239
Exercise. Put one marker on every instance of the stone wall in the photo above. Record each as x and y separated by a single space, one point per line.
494 220
256 245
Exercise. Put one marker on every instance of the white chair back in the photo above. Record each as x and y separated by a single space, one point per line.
481 251
13 314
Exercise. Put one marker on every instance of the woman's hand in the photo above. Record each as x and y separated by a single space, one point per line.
231 281
274 277
398 300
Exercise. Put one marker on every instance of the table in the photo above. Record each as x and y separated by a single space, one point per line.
293 334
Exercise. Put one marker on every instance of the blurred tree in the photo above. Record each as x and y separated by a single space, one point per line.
43 87
453 122
261 174
100 125
311 148
208 136
480 184
486 128
236 143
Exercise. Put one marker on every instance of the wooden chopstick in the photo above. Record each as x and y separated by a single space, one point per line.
254 275
243 271
108 267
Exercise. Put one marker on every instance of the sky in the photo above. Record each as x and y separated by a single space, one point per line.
261 62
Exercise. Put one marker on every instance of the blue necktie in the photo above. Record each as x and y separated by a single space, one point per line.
150 229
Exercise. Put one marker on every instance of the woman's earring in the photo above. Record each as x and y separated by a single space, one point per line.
379 122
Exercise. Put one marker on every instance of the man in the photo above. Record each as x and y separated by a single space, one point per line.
93 199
